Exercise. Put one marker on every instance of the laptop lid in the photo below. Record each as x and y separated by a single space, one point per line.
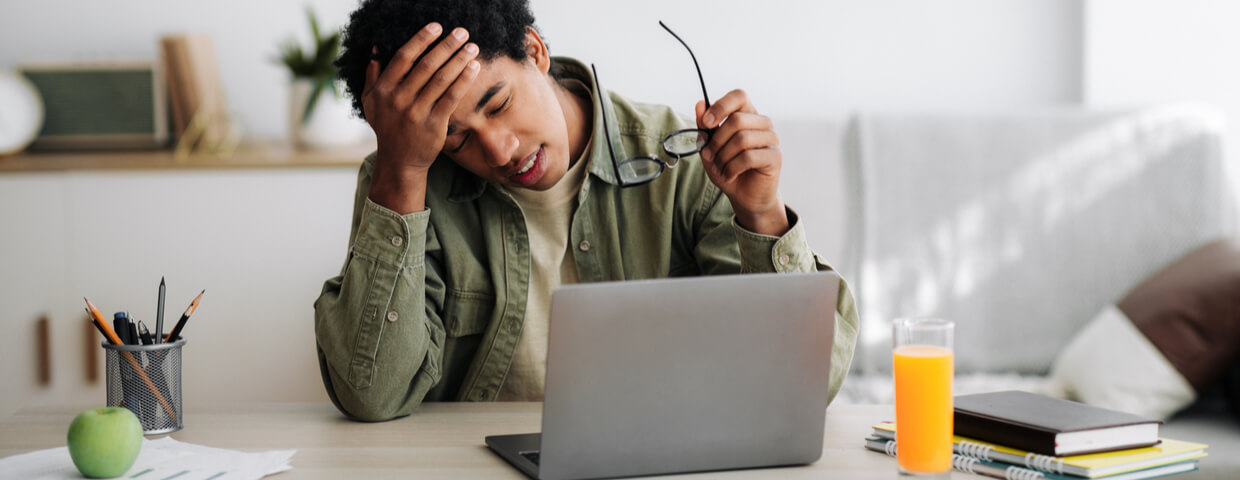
690 374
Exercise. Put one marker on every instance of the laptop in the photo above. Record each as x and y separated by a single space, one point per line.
682 375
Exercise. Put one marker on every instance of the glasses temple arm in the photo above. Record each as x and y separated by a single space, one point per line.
602 105
701 79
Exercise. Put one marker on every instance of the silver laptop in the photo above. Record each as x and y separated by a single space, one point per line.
682 375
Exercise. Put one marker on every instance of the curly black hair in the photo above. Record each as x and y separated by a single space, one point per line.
496 26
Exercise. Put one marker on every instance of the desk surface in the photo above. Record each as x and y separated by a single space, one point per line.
441 440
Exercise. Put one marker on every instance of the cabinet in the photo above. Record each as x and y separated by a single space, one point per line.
260 232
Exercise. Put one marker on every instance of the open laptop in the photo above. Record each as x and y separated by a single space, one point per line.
682 375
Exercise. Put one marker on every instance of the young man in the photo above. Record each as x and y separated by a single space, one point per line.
492 184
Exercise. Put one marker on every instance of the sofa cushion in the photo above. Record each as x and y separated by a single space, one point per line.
1172 336
1190 310
1109 363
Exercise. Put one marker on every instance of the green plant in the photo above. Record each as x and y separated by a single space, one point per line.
314 64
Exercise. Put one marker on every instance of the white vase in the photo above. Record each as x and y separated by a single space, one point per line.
331 123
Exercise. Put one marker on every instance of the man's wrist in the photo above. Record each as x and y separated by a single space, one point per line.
772 221
401 190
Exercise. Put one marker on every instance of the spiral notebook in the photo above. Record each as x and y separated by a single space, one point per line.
1092 465
1005 471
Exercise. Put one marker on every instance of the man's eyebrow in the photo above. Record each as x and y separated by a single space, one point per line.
486 97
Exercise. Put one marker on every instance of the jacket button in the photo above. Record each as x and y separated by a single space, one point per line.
396 241
584 245
783 259
392 316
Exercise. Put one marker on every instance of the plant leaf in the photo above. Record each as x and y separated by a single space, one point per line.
310 103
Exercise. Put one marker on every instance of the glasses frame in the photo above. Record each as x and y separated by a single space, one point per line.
658 163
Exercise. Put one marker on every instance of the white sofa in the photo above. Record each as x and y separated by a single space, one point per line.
1021 228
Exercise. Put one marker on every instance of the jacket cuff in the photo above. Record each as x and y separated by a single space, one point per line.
391 238
766 253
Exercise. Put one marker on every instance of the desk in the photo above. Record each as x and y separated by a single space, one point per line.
441 440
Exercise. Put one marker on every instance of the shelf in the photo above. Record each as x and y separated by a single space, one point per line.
263 155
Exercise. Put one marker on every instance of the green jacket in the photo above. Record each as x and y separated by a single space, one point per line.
429 306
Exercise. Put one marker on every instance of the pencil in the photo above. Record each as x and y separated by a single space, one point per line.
108 332
159 313
98 327
176 331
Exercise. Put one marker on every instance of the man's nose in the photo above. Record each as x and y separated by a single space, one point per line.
499 146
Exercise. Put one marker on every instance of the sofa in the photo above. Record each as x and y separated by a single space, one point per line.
1082 254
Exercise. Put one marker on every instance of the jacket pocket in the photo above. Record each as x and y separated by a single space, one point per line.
468 313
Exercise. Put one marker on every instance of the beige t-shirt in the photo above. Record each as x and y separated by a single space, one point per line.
548 218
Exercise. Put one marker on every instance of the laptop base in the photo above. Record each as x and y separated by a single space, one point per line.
515 449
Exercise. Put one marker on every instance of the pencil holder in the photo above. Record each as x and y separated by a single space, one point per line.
146 379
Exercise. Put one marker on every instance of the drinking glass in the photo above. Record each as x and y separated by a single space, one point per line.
923 362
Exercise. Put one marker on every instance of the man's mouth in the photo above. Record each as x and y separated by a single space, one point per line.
529 163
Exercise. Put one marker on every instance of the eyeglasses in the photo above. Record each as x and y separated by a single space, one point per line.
642 170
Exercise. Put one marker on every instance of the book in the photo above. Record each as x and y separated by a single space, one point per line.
977 466
1048 425
194 90
1092 465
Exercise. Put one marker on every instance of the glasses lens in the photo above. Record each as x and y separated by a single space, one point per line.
685 142
640 170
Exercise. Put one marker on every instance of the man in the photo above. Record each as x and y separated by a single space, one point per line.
492 184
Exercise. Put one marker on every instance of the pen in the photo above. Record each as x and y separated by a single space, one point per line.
145 334
159 313
176 331
99 320
121 325
133 329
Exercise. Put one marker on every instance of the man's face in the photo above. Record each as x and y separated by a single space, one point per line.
510 126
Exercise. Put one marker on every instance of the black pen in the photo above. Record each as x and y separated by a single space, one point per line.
144 334
176 331
120 323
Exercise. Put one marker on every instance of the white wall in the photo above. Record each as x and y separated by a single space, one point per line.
1139 52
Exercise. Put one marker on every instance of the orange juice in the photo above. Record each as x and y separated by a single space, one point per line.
923 408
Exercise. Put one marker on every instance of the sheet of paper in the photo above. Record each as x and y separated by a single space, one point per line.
161 459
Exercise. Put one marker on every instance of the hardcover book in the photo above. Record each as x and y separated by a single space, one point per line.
1049 426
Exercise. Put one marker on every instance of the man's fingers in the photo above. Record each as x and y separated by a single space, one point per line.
447 102
435 59
444 78
399 66
763 160
737 122
698 109
742 141
735 101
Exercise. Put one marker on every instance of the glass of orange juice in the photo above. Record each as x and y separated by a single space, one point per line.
923 363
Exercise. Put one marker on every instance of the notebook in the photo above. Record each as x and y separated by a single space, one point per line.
1090 465
682 375
1005 471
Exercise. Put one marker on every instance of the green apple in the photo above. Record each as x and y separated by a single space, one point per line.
104 442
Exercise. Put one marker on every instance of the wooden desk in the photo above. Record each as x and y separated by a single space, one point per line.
442 440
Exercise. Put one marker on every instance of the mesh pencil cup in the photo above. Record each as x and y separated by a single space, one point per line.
146 379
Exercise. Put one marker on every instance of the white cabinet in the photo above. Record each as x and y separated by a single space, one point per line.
260 241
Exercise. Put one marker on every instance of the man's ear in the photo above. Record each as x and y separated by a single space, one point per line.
536 50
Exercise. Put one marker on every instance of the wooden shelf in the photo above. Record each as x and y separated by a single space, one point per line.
263 155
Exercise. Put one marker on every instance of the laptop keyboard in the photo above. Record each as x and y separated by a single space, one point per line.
532 456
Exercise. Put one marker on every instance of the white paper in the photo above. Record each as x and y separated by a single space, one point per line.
161 459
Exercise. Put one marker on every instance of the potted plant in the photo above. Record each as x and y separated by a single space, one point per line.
319 114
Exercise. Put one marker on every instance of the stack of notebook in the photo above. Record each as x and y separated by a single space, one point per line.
1027 436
